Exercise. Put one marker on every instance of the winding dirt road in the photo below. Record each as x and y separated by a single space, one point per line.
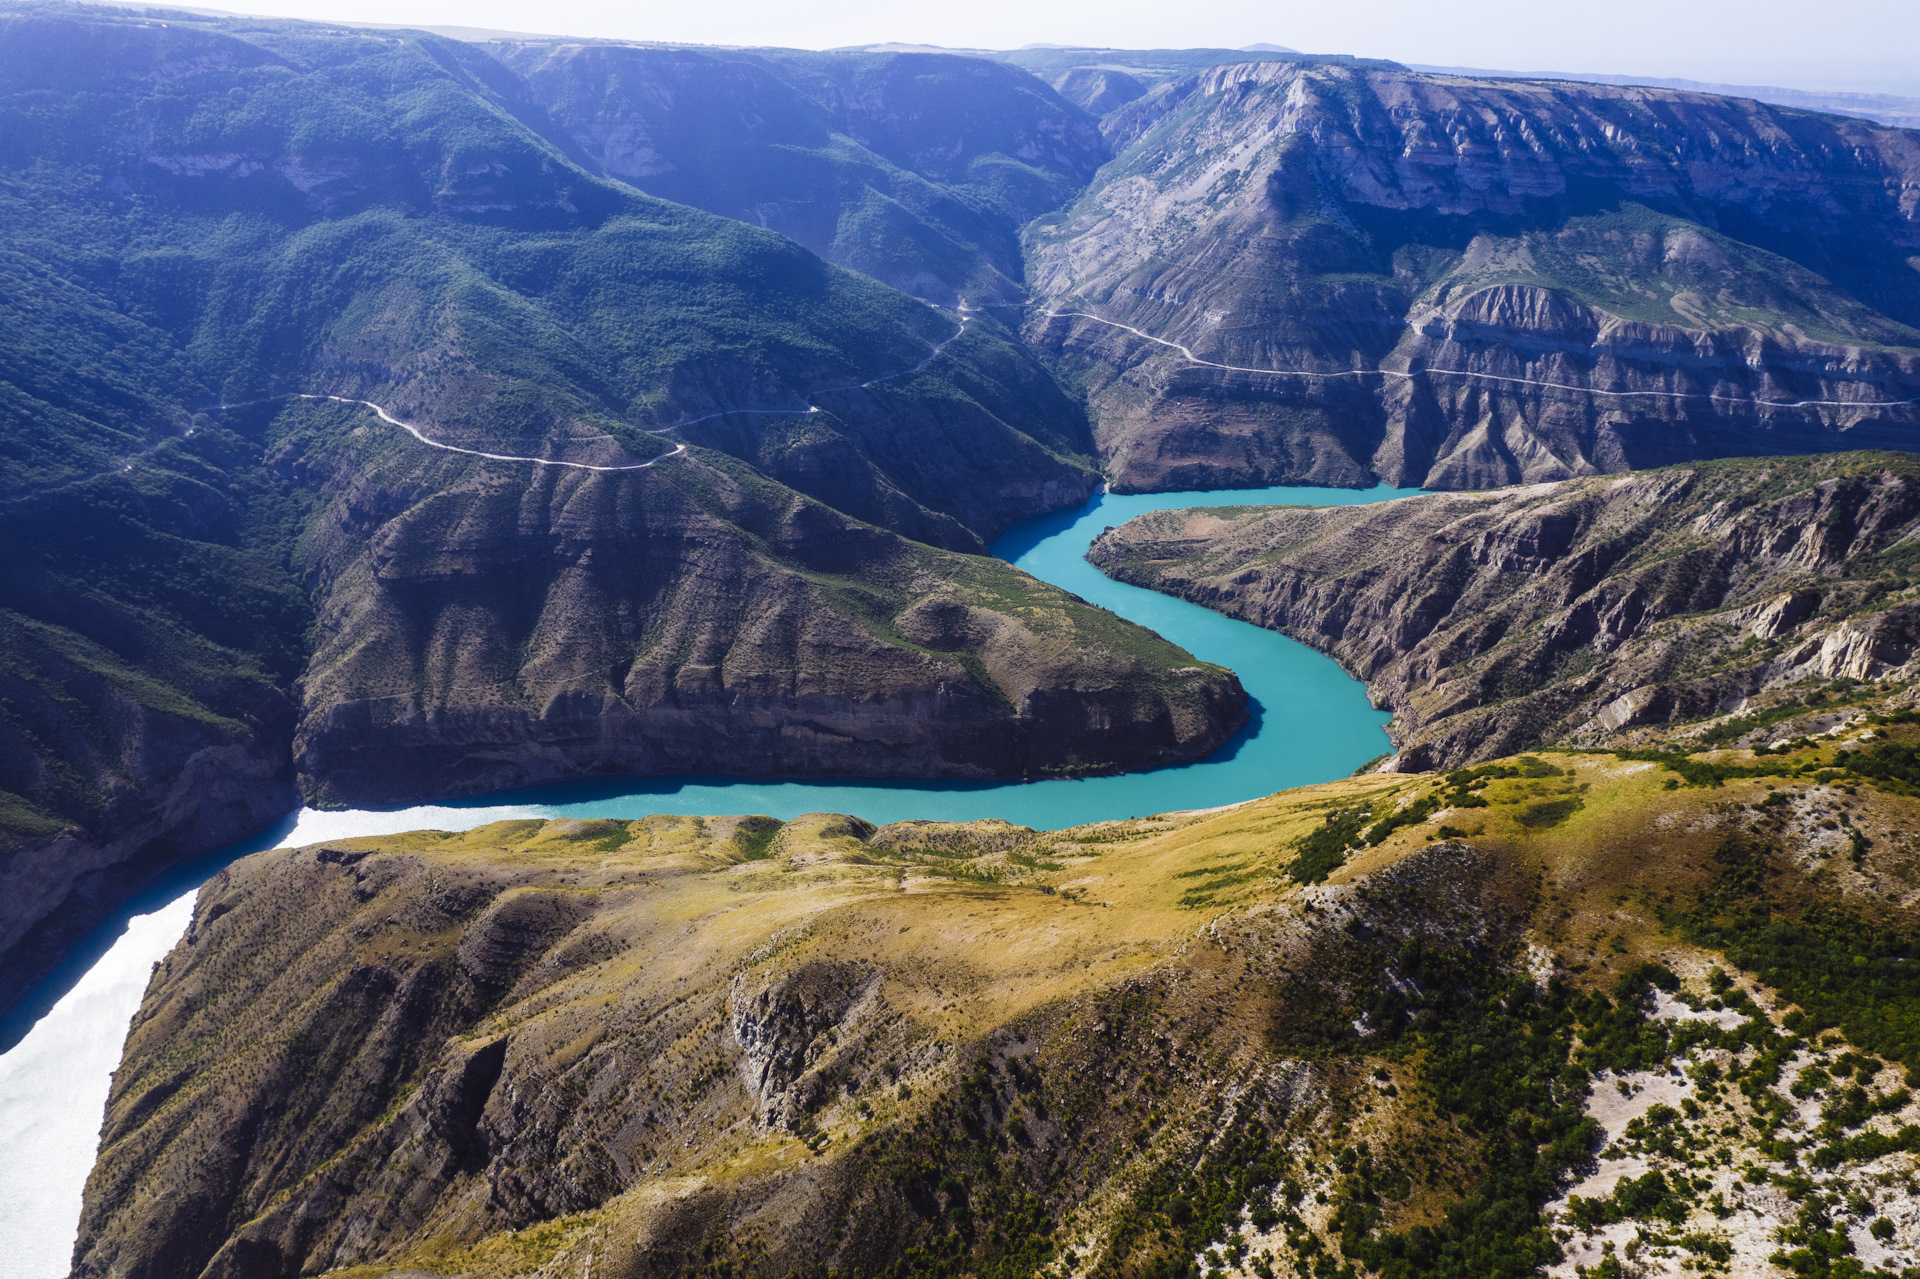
966 315
1411 374
417 434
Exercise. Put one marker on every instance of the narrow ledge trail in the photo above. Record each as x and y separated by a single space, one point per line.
966 316
416 433
1413 374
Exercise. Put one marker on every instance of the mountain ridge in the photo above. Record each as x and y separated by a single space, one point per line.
1321 219
1592 611
1896 110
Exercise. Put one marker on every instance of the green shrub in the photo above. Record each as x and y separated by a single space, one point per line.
1322 850
1544 813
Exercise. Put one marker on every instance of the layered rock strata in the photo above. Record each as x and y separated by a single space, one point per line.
504 629
1457 283
1569 612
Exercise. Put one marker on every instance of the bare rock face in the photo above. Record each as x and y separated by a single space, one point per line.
1450 283
784 1029
1569 612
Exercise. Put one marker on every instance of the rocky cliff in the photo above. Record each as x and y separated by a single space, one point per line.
150 632
1326 1029
112 776
1458 283
1574 611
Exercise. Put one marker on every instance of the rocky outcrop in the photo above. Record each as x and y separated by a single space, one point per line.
1455 283
786 1028
1569 612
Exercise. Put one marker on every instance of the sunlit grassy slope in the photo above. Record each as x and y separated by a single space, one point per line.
1385 1024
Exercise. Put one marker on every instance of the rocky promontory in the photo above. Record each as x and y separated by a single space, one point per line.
496 633
144 777
1300 1034
1574 611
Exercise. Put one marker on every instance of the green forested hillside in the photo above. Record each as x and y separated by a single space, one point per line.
915 169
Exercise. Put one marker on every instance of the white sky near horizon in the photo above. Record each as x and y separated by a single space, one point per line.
1860 45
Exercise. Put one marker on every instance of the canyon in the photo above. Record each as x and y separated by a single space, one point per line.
389 418
1274 268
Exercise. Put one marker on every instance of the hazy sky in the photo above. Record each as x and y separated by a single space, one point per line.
1869 45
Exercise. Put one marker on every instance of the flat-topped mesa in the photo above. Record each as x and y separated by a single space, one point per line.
1446 282
537 1048
1586 611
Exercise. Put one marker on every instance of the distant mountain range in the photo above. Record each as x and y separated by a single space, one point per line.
1315 270
1882 108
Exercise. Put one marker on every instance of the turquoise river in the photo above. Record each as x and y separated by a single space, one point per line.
1311 722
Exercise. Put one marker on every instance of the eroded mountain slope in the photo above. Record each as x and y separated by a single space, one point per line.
1457 283
483 628
1576 611
1387 1024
